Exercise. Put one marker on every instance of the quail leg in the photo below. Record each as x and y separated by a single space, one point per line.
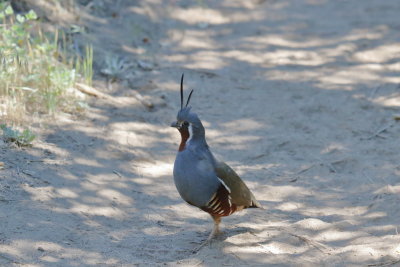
215 231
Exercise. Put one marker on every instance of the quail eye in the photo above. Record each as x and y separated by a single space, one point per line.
186 124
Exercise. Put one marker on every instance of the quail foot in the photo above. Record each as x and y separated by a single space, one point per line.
201 179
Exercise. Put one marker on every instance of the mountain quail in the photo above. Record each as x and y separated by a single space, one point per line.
201 180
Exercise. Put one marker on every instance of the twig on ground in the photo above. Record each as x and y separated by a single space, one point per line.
378 132
2 199
29 173
330 166
9 259
305 169
295 177
258 156
387 263
117 173
96 93
273 172
374 91
48 161
313 243
86 89
200 262
142 100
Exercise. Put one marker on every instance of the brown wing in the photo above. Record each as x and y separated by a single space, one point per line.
240 193
220 203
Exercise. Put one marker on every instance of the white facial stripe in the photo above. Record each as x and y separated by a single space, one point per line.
190 133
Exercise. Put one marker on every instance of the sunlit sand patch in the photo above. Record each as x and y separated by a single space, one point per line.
66 193
333 148
313 224
245 124
86 161
157 169
289 206
195 15
209 60
388 101
114 195
379 54
52 253
389 189
330 235
343 211
106 211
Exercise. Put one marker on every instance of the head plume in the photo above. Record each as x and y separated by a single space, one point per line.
190 95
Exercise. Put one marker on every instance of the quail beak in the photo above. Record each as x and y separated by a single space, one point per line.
176 124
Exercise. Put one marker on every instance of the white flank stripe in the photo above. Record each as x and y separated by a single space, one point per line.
215 201
222 182
216 206
212 199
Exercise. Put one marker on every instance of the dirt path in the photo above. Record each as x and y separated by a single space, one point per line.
298 96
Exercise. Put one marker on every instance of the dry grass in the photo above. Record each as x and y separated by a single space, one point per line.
37 71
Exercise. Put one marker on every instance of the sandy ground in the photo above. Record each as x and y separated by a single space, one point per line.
298 96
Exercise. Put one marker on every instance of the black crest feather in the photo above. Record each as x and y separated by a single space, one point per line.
190 95
182 90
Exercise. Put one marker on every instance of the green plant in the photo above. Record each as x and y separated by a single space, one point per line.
87 65
23 138
113 66
37 74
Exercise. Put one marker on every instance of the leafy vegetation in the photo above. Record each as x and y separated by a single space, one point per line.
37 72
23 138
